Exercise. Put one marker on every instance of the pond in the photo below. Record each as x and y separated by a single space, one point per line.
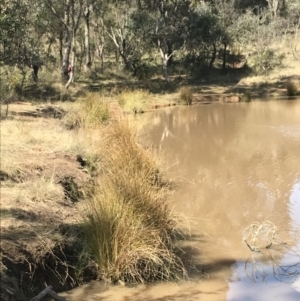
237 173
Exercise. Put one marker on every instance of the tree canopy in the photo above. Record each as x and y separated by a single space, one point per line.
195 33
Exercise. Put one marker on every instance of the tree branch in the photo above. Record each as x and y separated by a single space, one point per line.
48 291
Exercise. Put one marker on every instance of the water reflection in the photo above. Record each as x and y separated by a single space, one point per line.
274 272
236 165
233 164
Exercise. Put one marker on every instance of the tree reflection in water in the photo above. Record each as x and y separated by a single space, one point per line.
281 262
264 266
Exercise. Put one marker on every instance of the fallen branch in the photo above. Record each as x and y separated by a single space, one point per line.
47 291
260 236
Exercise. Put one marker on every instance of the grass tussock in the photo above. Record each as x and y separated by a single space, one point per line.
131 226
86 112
291 88
186 96
134 101
247 96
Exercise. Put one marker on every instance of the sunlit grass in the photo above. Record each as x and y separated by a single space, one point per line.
136 101
131 226
22 141
88 111
186 96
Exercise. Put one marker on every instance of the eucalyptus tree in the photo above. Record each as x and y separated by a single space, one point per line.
69 13
256 34
293 11
204 35
161 24
100 9
227 15
14 38
119 27
20 39
87 11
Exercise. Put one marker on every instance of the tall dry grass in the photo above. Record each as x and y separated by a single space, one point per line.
186 96
132 228
291 88
136 101
88 111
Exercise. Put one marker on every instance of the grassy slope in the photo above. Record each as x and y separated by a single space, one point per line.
47 170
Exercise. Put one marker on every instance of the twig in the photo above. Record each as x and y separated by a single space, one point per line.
48 291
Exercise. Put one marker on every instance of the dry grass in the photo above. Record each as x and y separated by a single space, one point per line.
23 141
291 88
136 101
36 154
186 96
247 96
260 236
131 226
86 112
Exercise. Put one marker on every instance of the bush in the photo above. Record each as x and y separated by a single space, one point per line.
291 88
131 228
267 61
247 96
89 111
186 96
134 101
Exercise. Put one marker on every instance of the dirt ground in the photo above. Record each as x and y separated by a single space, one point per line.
43 181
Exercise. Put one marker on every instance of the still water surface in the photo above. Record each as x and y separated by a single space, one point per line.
234 164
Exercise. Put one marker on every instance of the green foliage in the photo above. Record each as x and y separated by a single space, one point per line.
291 88
186 96
131 227
9 83
139 36
268 60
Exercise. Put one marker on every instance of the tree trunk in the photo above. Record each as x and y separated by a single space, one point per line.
66 41
61 37
165 59
273 7
213 57
165 68
72 73
170 53
48 291
100 51
23 72
88 60
73 43
99 41
224 57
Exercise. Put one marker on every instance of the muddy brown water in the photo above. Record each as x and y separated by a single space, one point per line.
234 164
